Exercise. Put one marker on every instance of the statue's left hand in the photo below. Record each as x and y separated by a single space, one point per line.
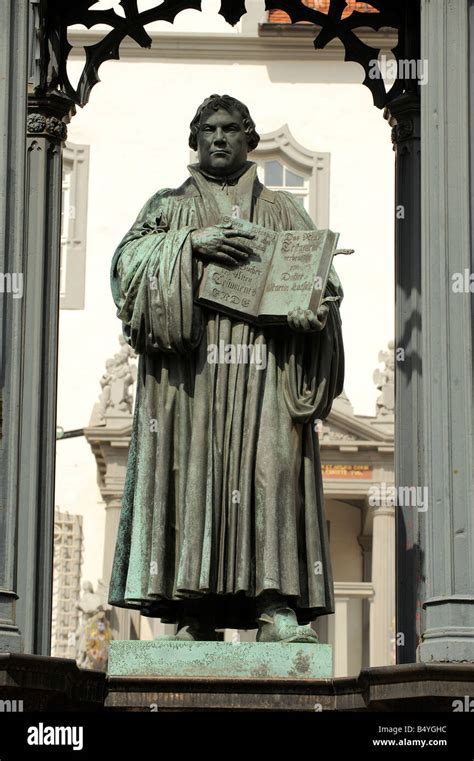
304 320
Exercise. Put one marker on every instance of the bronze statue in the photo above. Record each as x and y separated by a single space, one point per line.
222 522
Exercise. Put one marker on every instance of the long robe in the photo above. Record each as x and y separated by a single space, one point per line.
223 496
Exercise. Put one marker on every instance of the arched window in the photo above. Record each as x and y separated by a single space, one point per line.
284 164
276 175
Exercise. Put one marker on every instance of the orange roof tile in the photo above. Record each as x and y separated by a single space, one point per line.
280 17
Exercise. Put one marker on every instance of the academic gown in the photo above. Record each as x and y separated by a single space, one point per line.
223 494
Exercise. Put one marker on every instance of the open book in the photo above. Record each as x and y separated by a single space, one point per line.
287 270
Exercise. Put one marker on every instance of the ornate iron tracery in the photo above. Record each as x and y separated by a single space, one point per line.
402 15
55 16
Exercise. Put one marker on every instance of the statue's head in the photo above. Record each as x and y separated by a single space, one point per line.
222 133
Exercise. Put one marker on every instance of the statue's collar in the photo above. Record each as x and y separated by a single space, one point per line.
247 172
230 179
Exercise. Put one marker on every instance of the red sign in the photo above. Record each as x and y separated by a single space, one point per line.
347 472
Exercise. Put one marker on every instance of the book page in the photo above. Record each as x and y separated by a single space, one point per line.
323 270
292 278
240 289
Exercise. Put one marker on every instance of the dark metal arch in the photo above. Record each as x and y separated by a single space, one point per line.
54 17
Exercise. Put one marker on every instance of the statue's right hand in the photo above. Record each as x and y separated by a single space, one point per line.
224 245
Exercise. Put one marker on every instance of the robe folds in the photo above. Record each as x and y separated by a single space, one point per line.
223 495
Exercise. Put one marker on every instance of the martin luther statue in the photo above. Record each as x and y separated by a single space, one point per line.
222 522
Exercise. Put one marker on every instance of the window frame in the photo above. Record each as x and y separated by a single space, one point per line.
280 145
76 162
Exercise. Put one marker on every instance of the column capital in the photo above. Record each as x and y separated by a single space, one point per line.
382 502
403 116
48 116
384 509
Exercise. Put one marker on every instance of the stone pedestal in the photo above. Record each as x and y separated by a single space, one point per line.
410 688
37 683
219 659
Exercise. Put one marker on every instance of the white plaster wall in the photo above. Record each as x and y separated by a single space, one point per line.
137 127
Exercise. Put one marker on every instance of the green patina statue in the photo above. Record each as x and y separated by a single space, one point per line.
222 522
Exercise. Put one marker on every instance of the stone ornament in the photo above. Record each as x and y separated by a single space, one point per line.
384 379
94 634
115 398
38 124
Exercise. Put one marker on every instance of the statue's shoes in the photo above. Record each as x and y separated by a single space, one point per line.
281 625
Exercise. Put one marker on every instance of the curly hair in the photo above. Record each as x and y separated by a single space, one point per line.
228 103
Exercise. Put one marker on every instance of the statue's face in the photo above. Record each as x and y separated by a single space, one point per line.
221 142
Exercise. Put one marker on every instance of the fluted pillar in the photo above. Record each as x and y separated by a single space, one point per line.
382 612
403 115
13 94
341 636
38 369
447 318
